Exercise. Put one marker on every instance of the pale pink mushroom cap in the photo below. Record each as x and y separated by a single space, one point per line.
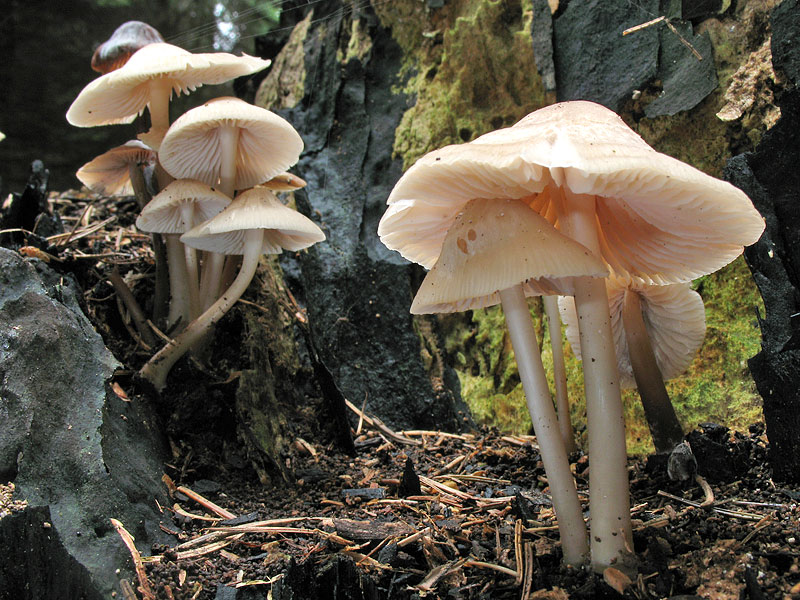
163 213
109 173
267 144
258 208
497 244
673 315
119 96
658 219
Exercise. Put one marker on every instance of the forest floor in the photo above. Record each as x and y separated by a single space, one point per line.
418 513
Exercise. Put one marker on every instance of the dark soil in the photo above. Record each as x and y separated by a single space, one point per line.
416 514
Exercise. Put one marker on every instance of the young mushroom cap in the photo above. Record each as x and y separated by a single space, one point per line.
256 209
673 315
126 39
658 219
109 173
163 213
501 243
264 145
121 95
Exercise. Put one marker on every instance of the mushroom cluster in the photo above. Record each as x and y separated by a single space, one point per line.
638 214
199 163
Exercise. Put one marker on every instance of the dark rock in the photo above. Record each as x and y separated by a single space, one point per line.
686 80
785 36
698 9
30 211
357 292
593 60
48 570
409 482
74 449
542 34
770 177
339 579
715 461
682 464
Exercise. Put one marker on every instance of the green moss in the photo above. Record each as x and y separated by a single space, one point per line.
477 76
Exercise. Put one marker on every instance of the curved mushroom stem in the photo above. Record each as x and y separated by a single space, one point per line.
664 426
158 367
540 405
609 494
559 373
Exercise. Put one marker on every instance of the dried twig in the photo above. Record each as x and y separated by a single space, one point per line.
225 514
127 539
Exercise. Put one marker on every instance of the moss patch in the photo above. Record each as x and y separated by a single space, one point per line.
474 71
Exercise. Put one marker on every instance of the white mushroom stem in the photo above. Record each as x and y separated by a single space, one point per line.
158 367
158 105
540 405
559 373
190 257
609 495
179 293
213 265
665 428
228 146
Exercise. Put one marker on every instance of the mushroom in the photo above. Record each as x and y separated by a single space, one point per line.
149 78
113 172
657 332
175 210
126 39
499 251
645 214
253 224
230 145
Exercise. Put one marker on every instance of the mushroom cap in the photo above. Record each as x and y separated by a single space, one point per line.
658 219
119 96
126 39
109 173
284 182
257 208
496 244
673 315
268 144
163 213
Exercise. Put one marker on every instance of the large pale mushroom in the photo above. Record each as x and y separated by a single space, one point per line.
253 224
645 214
149 79
230 145
657 332
499 251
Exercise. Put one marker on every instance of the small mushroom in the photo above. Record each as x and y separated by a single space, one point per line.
149 79
657 332
229 145
253 224
110 172
179 207
126 39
